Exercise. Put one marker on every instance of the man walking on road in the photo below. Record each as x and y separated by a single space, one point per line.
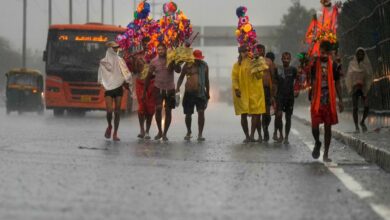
359 80
164 89
112 74
197 92
325 84
268 93
248 93
139 65
285 78
265 119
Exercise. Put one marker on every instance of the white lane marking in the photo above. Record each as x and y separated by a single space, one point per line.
350 183
382 210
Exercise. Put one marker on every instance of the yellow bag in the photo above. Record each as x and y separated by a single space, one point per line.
184 54
258 66
171 56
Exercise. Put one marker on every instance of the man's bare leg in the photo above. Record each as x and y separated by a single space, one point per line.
365 114
167 124
109 109
244 125
254 127
188 125
117 114
317 147
265 123
201 122
328 138
149 118
141 119
287 128
275 136
279 126
158 122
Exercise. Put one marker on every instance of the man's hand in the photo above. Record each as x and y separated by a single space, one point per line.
341 106
238 93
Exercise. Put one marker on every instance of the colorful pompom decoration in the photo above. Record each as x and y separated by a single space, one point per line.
175 27
245 33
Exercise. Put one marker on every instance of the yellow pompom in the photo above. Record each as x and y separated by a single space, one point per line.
247 28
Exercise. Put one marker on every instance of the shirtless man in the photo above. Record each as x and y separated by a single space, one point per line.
197 92
267 84
285 77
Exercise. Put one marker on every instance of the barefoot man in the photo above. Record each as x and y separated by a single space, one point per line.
197 92
326 85
164 89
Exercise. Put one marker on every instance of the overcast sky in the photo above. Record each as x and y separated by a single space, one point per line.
201 12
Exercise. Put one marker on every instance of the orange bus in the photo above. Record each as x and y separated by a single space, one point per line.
72 56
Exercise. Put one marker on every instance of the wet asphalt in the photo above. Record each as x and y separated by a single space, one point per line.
63 168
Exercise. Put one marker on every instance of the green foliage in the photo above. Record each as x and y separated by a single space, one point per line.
294 25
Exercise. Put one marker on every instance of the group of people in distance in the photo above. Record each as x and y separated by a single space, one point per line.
155 89
256 90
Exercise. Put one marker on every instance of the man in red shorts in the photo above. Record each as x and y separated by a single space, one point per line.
139 64
325 84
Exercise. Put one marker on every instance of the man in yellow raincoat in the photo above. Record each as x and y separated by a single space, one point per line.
248 91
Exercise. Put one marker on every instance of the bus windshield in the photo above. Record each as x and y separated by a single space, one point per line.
75 55
76 50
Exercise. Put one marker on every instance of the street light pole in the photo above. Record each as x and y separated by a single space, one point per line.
87 11
24 33
70 11
50 14
113 11
102 11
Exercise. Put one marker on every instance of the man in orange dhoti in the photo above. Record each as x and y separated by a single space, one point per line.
325 84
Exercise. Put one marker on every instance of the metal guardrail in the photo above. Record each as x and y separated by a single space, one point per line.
366 23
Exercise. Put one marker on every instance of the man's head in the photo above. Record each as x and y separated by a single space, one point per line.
325 50
243 50
114 45
144 43
286 59
360 54
270 56
162 50
259 50
326 3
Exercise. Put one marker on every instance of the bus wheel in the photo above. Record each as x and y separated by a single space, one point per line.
58 112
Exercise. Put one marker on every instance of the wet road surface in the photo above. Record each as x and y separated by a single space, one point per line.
63 168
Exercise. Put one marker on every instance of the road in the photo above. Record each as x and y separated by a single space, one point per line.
62 168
